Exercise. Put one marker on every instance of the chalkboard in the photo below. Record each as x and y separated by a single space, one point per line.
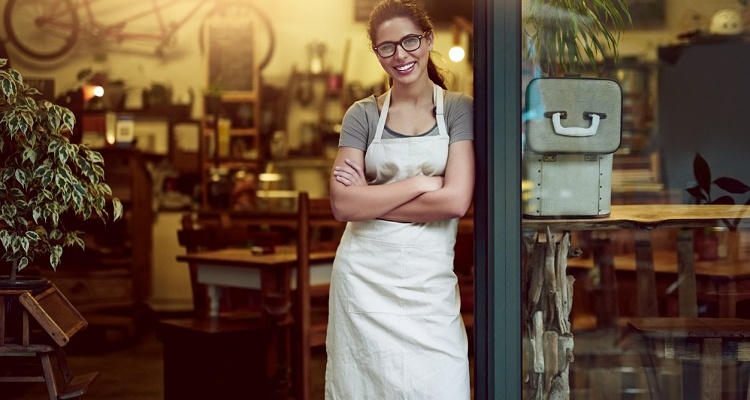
231 55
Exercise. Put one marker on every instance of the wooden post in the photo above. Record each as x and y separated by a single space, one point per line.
645 275
607 310
550 299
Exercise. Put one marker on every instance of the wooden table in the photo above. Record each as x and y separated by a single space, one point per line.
272 274
711 341
549 290
724 281
645 218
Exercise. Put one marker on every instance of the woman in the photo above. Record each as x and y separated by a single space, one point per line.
403 175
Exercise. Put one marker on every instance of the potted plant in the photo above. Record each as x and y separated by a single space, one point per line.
44 178
568 36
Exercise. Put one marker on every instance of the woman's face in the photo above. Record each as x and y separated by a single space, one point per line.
403 66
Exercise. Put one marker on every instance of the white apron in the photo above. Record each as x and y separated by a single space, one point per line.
395 329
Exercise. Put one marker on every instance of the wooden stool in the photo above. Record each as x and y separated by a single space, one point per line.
60 321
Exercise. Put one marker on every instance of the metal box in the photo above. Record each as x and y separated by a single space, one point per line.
573 127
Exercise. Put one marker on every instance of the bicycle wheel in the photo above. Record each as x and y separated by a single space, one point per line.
41 29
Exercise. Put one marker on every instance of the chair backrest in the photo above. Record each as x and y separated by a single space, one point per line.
317 230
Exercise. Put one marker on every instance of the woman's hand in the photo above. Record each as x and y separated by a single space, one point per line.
350 174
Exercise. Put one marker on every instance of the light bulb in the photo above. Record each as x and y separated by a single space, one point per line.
456 53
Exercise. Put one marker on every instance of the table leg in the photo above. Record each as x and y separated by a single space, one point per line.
607 312
645 275
727 298
686 274
711 369
214 296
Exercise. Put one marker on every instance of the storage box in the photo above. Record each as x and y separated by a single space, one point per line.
573 127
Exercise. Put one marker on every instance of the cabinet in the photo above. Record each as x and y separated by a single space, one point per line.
115 268
702 105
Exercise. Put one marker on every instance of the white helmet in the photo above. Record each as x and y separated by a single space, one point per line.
726 22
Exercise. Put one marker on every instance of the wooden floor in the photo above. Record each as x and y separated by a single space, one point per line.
605 366
129 369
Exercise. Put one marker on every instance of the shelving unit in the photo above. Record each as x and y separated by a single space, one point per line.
636 79
230 126
114 271
314 111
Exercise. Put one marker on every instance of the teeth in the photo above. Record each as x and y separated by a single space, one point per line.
405 67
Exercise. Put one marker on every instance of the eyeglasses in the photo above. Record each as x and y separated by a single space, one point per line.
409 43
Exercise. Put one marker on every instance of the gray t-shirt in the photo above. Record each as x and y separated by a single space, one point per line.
361 121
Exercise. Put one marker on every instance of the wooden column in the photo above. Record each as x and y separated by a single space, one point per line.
607 311
645 275
550 298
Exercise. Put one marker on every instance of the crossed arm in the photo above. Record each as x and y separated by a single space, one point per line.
415 199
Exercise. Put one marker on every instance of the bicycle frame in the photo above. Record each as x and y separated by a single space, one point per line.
115 30
48 29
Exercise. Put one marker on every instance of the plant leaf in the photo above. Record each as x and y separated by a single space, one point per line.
723 200
702 173
698 194
732 185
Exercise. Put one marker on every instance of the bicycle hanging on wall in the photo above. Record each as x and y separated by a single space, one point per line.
46 30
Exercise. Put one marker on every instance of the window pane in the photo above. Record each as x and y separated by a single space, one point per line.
637 138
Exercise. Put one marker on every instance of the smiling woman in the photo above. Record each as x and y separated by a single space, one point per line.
403 175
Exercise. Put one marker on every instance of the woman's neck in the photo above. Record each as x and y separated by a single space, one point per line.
416 94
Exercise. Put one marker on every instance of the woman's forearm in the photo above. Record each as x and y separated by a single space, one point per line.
358 203
450 201
432 206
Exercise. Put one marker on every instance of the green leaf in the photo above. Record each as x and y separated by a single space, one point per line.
62 154
55 234
25 243
69 120
94 156
23 263
55 254
117 206
33 236
22 177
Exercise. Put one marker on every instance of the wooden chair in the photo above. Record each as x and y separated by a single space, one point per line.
689 336
463 266
219 355
317 230
56 322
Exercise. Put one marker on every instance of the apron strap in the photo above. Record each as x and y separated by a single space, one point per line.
437 94
382 118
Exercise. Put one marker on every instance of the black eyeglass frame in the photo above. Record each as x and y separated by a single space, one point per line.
400 43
